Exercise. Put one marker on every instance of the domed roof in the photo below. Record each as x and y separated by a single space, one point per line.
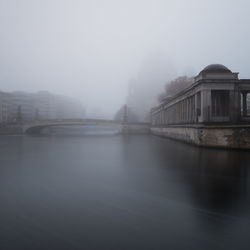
216 68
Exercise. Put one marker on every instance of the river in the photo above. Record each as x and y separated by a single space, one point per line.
121 192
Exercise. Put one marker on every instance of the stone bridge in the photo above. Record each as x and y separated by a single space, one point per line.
124 128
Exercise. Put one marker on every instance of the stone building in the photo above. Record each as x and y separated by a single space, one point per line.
217 95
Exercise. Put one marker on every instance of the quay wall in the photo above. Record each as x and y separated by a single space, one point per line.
237 137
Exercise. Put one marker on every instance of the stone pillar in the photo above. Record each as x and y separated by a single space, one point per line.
206 105
234 106
195 109
244 102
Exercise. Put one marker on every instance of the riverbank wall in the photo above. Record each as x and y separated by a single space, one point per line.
11 129
230 136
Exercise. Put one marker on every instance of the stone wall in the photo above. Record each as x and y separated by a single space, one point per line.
237 137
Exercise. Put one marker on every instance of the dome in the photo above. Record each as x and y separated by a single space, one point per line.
216 68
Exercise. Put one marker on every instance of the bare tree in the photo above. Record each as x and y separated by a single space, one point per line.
175 86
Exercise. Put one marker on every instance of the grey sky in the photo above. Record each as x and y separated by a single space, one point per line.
90 49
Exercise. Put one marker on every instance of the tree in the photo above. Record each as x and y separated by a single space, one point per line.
175 86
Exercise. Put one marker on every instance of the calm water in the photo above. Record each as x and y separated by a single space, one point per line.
121 192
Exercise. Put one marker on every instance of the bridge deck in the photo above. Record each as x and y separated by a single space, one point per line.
38 125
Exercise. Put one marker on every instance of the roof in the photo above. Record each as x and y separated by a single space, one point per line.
216 68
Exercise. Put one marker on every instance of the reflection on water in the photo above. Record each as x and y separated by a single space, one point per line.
121 192
80 130
216 177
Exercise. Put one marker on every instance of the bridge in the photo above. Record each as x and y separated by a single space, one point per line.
36 127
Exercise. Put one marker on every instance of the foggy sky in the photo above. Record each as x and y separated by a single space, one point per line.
90 49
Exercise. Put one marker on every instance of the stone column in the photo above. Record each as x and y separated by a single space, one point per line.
244 102
206 105
234 106
195 106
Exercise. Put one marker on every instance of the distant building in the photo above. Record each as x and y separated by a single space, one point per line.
66 108
18 105
140 99
125 114
21 102
42 107
217 95
4 107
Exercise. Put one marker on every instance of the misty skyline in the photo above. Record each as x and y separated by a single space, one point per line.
90 50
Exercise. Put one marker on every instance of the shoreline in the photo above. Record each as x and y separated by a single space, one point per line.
227 137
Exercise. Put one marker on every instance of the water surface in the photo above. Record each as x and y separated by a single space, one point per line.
121 192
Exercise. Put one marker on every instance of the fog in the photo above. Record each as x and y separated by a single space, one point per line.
92 50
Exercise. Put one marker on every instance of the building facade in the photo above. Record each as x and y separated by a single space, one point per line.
217 95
